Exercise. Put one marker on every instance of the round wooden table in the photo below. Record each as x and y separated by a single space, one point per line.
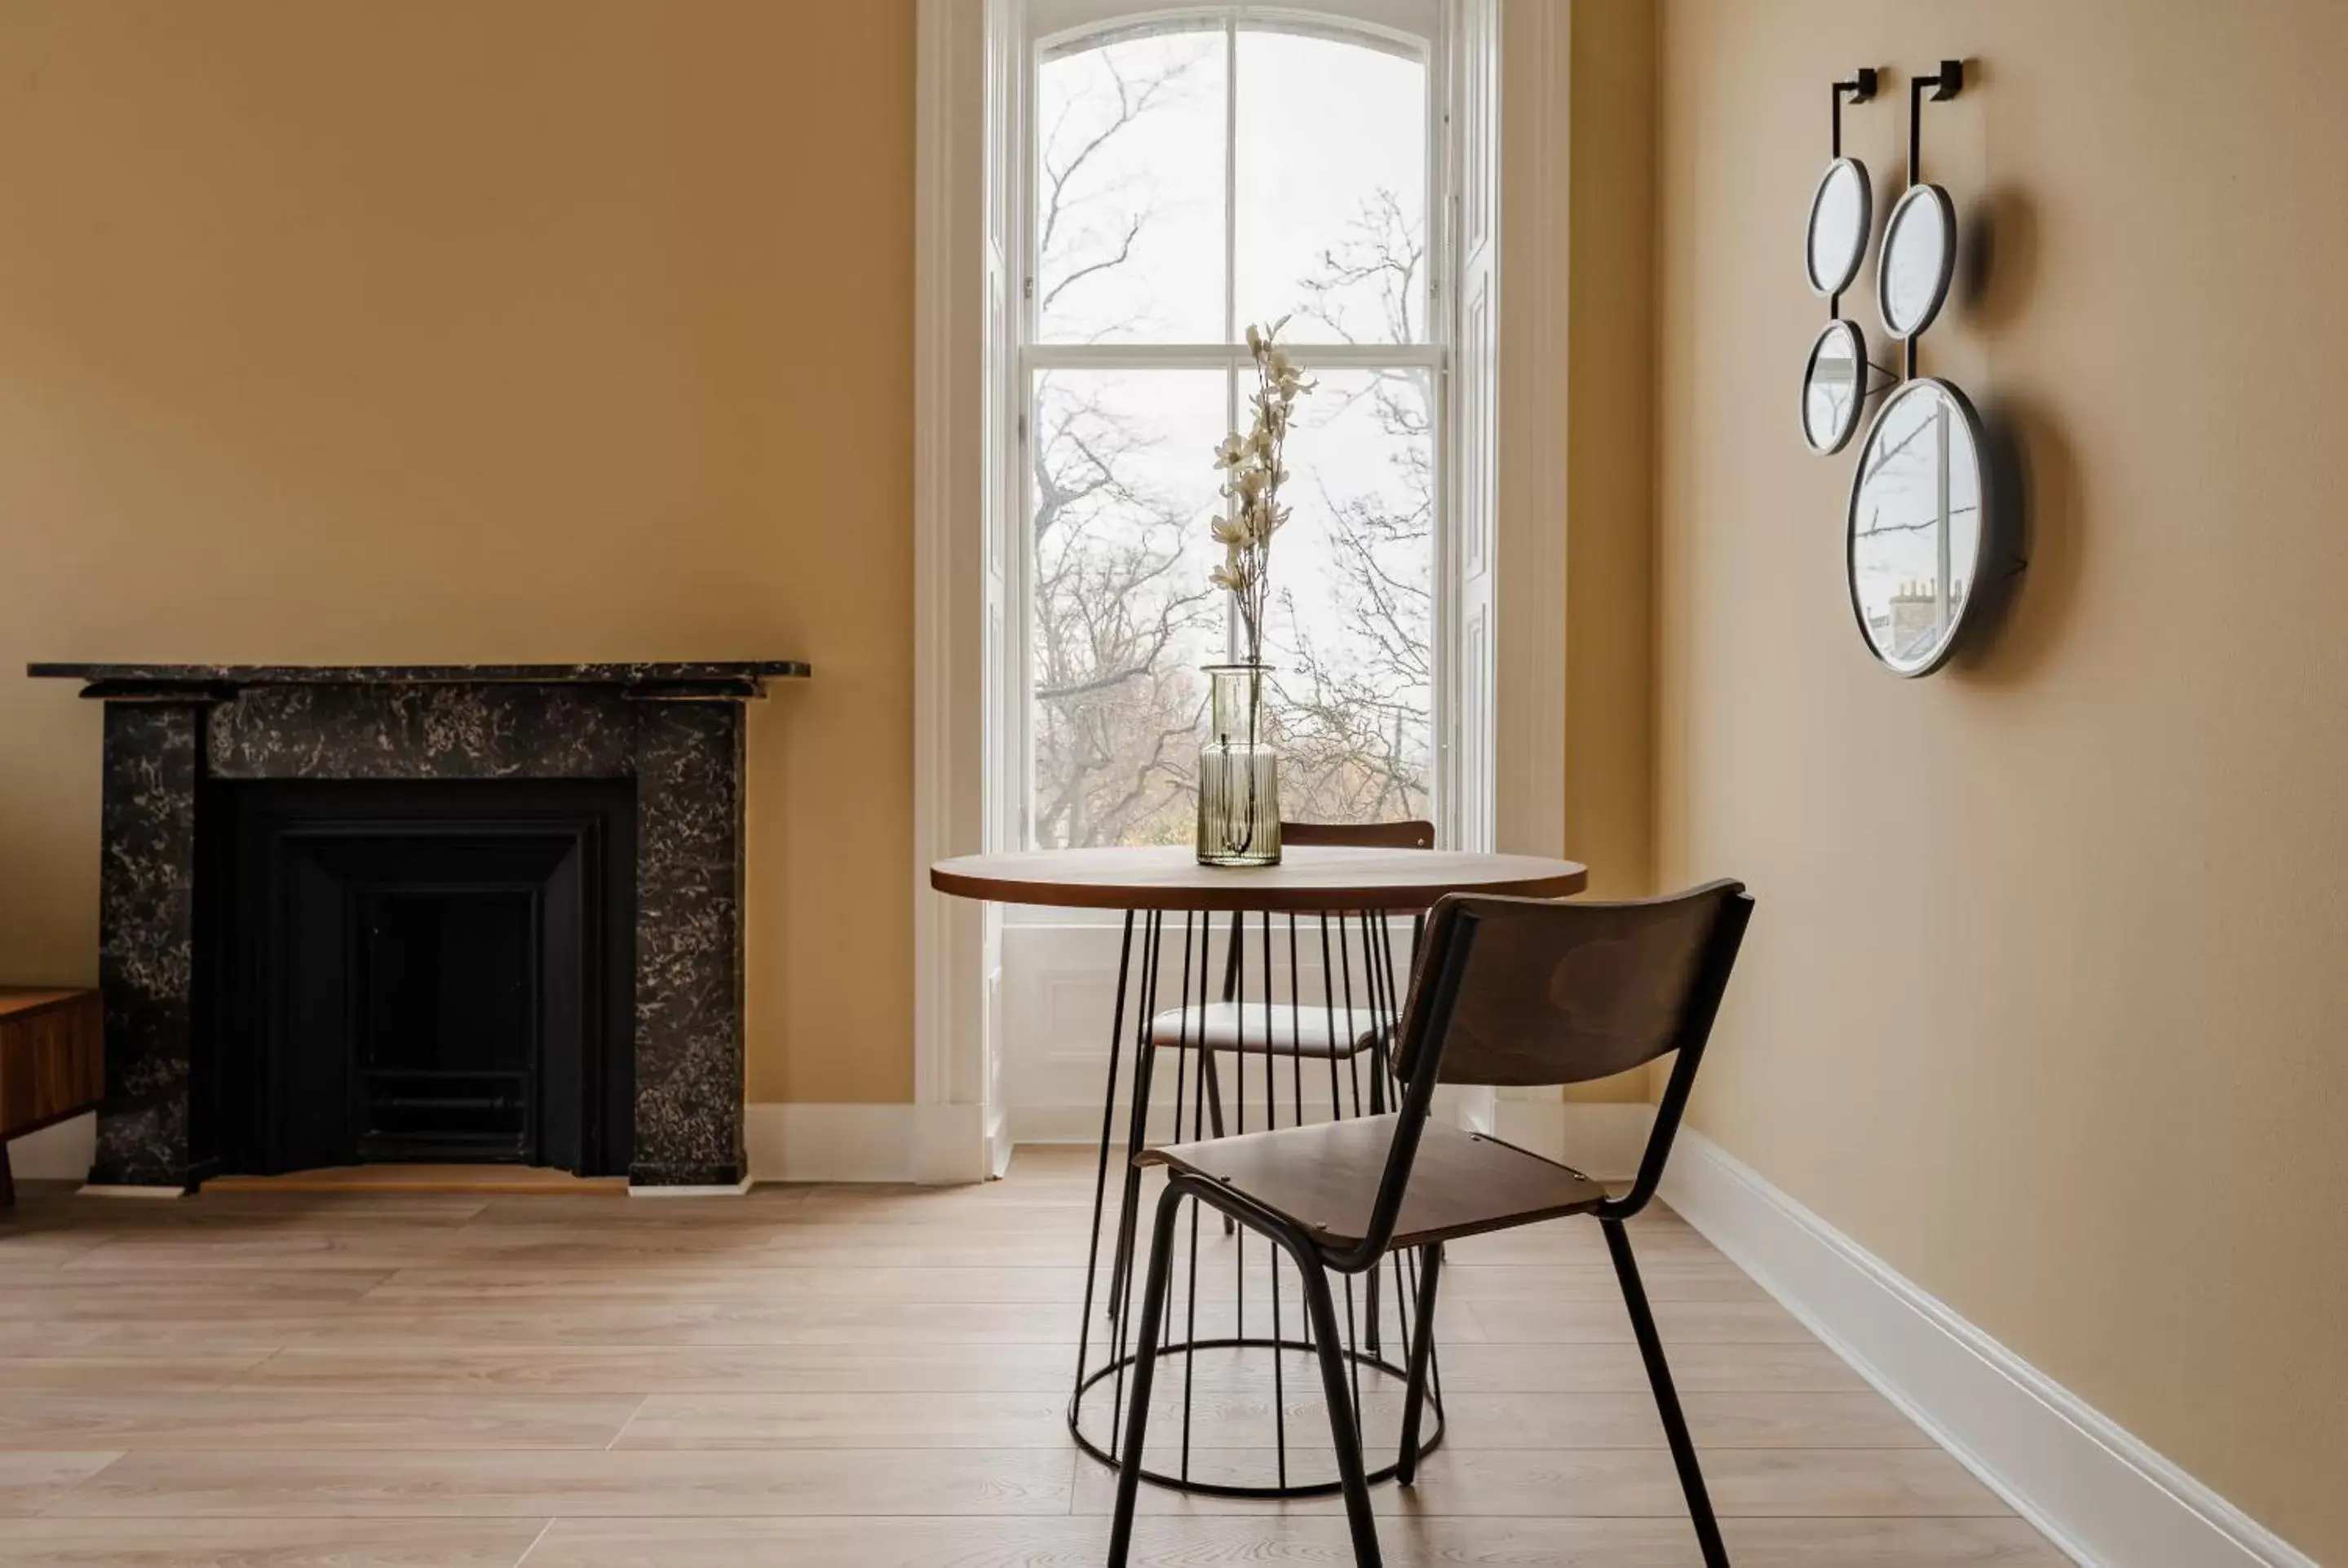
1322 922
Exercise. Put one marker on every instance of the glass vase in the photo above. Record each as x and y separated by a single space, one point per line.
1239 773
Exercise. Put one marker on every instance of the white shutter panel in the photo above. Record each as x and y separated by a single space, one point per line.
1468 771
1006 492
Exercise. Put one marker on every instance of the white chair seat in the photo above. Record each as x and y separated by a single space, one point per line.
1318 1032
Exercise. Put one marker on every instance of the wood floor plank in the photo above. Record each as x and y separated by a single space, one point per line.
126 1373
1601 1483
746 1284
1080 1542
589 1370
267 1542
1696 1279
527 1483
1680 1322
58 1296
1606 1366
255 1419
32 1481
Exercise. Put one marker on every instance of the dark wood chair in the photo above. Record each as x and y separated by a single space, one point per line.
1508 991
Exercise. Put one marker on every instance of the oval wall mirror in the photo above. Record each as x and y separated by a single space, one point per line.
1834 385
1917 525
1919 254
1841 211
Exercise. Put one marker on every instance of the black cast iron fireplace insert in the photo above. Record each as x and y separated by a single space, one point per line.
416 970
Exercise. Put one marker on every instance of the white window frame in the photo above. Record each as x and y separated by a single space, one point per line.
969 711
1054 24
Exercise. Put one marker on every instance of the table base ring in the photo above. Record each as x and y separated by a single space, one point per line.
1366 1360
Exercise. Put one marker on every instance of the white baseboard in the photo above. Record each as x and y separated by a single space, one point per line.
816 1143
952 1145
122 1190
58 1153
2094 1489
1598 1140
719 1189
938 1145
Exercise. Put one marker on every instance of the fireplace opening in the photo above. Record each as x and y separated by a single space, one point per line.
447 1029
415 971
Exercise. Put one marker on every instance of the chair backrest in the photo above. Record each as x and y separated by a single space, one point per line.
1406 834
1562 992
1534 991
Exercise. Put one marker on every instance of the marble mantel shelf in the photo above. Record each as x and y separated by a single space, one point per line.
745 678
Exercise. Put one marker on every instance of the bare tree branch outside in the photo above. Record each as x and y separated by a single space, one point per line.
1129 193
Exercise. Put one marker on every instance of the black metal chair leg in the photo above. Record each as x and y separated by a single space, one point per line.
1335 1391
1213 1078
1145 1368
1667 1400
1422 1353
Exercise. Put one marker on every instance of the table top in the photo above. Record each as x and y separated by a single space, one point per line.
1308 878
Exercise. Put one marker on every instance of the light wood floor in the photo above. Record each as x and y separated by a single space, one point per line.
839 1376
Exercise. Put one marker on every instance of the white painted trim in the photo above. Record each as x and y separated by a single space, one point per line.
1597 1139
952 1145
97 1190
800 1143
950 1071
1529 524
2095 1490
722 1189
938 1145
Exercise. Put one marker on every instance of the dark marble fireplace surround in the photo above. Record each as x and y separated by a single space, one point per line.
676 729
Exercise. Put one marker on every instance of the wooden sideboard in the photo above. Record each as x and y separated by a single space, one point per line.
52 1063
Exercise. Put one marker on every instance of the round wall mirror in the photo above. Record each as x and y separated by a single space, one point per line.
1834 385
1841 211
1919 254
1917 525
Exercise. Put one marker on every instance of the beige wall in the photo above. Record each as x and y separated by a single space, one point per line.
435 330
1610 449
2045 1001
1608 732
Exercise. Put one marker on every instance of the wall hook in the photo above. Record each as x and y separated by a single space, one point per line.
1861 87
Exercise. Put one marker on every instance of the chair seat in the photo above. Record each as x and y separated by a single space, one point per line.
1317 1031
1324 1178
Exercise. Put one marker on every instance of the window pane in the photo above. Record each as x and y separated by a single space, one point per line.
1123 614
1129 191
1332 188
1351 630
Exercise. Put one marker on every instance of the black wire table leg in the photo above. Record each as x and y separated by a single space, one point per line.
1144 1054
1667 1399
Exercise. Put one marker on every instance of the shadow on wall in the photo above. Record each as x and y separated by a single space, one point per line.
2032 467
2023 621
1999 264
